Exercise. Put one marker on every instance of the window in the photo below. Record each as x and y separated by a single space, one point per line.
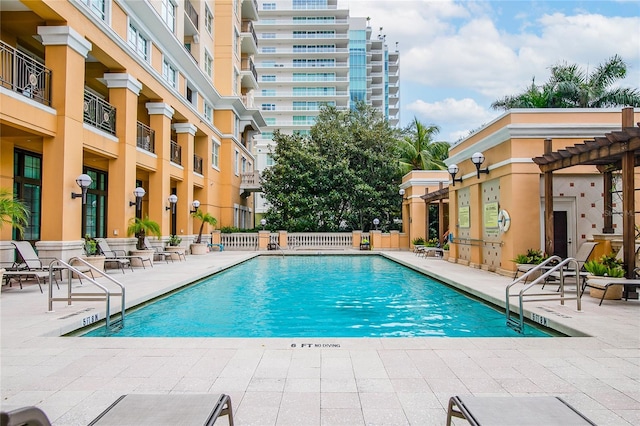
138 42
97 7
208 64
94 215
208 112
215 153
270 161
168 13
268 78
27 187
208 20
192 95
268 50
236 163
169 73
268 107
270 121
268 35
268 92
268 6
266 135
244 165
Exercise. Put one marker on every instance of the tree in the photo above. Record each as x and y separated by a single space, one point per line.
141 228
203 218
571 87
419 151
13 211
341 176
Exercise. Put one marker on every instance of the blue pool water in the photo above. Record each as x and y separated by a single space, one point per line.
316 296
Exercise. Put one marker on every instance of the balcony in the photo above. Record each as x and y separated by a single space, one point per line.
146 138
23 74
250 40
197 164
176 153
246 64
250 183
191 19
99 113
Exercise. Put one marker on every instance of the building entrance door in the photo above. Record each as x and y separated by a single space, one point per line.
560 246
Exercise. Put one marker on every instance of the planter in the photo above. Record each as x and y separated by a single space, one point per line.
596 288
445 254
199 248
176 251
144 254
95 261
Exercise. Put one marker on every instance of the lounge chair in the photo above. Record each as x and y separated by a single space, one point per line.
31 265
158 252
521 411
26 274
166 409
582 256
112 257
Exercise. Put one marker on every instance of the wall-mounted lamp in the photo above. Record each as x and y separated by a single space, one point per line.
401 193
173 199
195 205
376 222
263 222
478 158
84 182
138 193
453 171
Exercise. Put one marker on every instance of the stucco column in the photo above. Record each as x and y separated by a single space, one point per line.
185 134
475 218
62 155
160 180
123 94
453 223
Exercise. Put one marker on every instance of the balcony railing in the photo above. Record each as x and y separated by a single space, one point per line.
191 13
247 65
146 138
247 27
23 74
99 113
197 164
176 153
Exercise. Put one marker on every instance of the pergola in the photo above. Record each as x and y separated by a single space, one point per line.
439 195
618 150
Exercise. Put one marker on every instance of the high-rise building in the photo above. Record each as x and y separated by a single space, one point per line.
311 54
153 94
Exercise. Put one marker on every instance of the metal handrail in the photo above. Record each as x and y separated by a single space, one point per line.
560 266
86 296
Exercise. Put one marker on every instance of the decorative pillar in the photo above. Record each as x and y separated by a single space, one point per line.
160 180
475 219
62 154
123 95
548 204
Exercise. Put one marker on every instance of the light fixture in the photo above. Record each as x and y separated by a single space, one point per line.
401 193
453 171
173 199
138 193
195 205
376 222
263 222
84 182
478 158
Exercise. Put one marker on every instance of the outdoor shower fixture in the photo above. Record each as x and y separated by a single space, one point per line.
84 182
478 158
453 171
195 204
173 199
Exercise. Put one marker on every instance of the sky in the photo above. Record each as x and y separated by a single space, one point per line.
457 57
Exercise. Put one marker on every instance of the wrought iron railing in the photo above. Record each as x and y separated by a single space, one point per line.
146 138
247 27
191 13
197 164
25 75
176 153
248 65
99 113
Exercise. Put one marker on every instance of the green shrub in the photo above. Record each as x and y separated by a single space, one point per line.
531 257
419 241
607 266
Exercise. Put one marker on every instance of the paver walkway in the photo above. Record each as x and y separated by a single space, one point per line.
334 381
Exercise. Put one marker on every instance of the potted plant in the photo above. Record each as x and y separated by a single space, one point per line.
174 241
13 211
198 247
141 227
91 253
445 251
527 261
174 248
601 273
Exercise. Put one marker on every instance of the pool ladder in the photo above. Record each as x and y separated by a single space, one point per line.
515 320
105 295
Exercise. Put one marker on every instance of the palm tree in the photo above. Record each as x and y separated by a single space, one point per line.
571 87
141 227
13 211
419 151
203 218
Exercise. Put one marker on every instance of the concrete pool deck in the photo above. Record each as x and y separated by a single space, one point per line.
372 381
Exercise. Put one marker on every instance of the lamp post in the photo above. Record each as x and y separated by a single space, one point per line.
263 222
376 222
139 192
173 200
84 182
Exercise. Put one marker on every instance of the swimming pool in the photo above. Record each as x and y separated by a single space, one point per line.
317 296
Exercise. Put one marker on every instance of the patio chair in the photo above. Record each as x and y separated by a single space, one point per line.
582 256
112 257
166 409
510 410
31 265
158 252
